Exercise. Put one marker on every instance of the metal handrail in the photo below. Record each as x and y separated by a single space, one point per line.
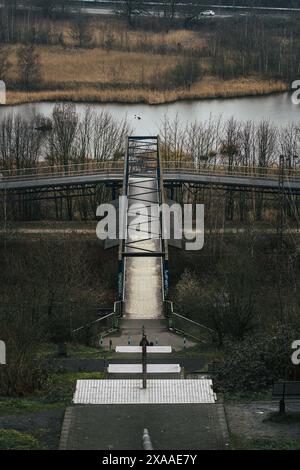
170 315
225 165
65 173
91 168
259 172
116 314
41 165
171 307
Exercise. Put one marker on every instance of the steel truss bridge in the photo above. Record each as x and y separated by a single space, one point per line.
143 252
44 181
143 258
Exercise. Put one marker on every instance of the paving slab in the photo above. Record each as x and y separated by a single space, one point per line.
130 334
138 369
130 391
138 349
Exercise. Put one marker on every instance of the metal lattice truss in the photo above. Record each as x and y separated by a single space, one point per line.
142 186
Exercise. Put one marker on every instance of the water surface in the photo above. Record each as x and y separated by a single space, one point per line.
147 119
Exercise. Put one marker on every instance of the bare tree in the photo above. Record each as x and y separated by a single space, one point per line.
129 8
4 63
81 31
29 67
61 142
170 10
109 137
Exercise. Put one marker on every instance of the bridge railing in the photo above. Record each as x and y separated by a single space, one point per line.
273 172
103 326
90 167
186 326
43 170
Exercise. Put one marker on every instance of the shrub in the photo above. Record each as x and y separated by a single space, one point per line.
253 364
183 75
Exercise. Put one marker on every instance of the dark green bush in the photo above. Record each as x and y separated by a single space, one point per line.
253 364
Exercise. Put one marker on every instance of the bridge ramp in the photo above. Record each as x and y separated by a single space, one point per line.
143 275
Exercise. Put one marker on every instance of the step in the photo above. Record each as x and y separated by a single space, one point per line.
178 391
138 349
138 369
138 324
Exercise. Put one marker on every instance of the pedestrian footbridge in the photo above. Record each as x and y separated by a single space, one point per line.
143 253
45 179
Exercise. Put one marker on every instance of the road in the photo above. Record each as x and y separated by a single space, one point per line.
107 8
222 11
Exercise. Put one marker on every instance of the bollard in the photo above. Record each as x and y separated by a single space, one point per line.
184 342
129 340
282 401
2 353
2 92
282 406
156 341
147 444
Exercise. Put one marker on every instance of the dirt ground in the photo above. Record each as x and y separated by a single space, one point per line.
260 420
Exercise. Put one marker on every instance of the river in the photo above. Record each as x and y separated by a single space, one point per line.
147 119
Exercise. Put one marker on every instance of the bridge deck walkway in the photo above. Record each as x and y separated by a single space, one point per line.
143 275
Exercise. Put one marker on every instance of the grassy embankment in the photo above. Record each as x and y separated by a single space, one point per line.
134 68
34 422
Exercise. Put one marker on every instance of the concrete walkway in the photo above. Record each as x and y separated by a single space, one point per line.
120 427
143 275
156 330
74 364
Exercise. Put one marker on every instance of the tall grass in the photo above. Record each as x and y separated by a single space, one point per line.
127 65
208 87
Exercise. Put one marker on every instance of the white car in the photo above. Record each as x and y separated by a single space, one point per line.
207 13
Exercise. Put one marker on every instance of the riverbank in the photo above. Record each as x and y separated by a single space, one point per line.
207 88
152 69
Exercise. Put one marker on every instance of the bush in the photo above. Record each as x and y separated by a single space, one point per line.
22 334
253 364
183 75
224 302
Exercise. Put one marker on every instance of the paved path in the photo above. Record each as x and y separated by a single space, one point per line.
73 364
95 427
143 275
156 330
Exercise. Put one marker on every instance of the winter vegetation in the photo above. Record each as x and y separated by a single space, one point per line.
44 55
